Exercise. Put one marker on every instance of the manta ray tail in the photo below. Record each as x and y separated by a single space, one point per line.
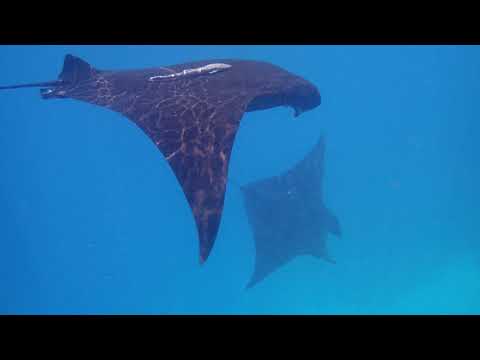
40 84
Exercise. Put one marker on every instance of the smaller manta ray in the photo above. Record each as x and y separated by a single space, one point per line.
288 216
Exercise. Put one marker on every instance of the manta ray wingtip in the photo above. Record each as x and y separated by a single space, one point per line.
203 257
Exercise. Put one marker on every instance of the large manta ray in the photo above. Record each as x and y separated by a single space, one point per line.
288 216
191 112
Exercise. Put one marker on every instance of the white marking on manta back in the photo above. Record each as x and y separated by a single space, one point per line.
207 69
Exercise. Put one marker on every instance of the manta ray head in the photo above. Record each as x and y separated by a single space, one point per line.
290 91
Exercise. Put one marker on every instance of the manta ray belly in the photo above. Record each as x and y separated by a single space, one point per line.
203 70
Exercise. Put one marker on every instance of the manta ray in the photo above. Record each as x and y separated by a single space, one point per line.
288 216
191 112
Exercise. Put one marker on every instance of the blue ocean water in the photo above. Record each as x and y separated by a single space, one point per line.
93 221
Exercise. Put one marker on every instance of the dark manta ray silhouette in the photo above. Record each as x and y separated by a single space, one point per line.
288 216
191 112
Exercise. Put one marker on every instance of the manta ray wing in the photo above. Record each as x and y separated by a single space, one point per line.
198 148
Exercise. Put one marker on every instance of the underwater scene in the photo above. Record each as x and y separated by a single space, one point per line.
259 179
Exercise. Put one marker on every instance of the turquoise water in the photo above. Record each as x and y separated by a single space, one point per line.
93 221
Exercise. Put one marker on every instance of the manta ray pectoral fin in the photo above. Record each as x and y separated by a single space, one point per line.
198 147
264 266
254 280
